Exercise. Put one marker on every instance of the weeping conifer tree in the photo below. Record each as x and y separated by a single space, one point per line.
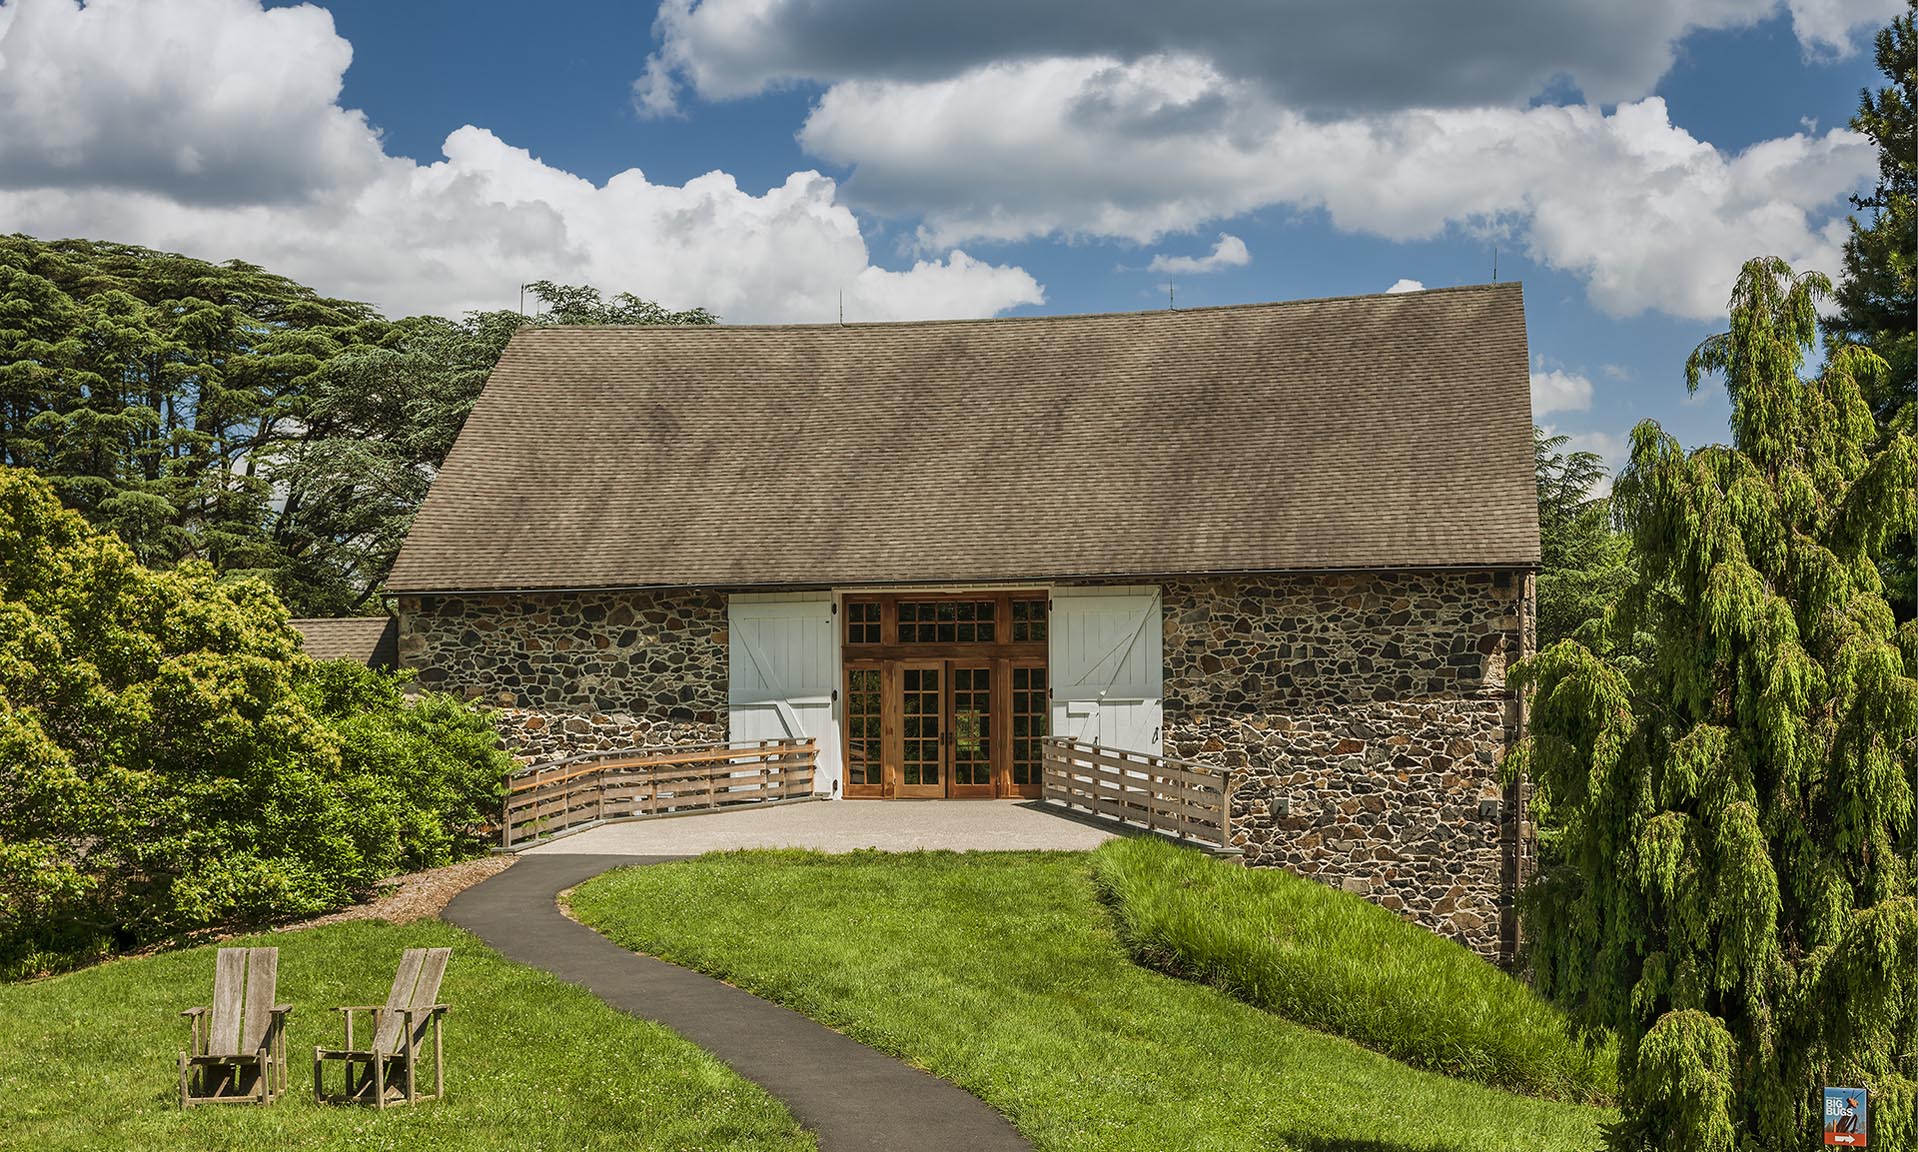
1728 769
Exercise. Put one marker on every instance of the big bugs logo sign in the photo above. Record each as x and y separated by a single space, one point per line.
1846 1117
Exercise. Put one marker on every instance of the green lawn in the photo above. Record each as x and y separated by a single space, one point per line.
1002 973
87 1060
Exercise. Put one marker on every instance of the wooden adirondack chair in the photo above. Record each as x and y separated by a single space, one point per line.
399 1029
239 1043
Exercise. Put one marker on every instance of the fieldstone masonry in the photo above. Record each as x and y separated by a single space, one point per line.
1364 717
578 671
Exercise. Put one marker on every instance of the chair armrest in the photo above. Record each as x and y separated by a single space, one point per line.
281 1009
362 1008
191 1012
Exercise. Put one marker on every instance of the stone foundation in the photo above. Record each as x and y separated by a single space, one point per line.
1364 717
578 671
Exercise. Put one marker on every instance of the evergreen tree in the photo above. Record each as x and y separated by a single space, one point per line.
218 412
157 392
1728 762
1582 558
1877 296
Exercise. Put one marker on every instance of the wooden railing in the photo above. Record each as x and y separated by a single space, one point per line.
1184 799
564 795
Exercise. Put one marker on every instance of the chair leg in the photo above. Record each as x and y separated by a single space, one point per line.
439 1062
319 1097
184 1102
379 1081
411 1096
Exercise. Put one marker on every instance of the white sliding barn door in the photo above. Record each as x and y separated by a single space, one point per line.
784 667
1107 666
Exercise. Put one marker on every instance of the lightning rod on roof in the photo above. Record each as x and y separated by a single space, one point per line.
842 305
1494 263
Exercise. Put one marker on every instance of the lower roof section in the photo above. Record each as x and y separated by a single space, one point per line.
369 640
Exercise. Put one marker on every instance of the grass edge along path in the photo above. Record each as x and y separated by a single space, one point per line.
1332 961
87 1060
1002 973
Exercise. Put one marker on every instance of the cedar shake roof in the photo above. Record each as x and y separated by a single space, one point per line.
371 640
1386 431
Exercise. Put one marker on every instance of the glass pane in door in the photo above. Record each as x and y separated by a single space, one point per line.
921 705
1028 725
863 745
972 726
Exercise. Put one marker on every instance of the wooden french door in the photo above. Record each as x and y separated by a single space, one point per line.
923 729
945 695
971 735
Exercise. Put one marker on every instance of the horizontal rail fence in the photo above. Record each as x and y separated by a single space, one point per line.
559 796
1179 797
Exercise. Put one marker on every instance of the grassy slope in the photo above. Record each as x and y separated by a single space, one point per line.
87 1060
1332 961
1001 973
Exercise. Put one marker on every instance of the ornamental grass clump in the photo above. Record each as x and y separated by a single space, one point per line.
1334 962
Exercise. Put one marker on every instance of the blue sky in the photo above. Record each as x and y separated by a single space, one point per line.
1621 160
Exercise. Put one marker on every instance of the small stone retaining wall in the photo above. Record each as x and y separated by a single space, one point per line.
1364 717
578 671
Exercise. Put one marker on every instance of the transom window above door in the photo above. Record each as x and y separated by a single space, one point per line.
862 621
917 621
946 621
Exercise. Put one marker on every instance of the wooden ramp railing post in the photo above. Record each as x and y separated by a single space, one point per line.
1180 798
552 797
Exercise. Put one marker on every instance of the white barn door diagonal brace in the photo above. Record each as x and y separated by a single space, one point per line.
788 717
1106 670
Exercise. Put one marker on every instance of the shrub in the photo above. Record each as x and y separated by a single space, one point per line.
1334 962
169 760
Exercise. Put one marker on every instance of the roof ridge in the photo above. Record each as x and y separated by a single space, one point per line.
1245 306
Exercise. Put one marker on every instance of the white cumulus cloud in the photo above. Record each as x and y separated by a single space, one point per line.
1229 252
1648 215
213 127
1405 285
1556 390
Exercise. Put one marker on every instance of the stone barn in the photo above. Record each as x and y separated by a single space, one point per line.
1294 539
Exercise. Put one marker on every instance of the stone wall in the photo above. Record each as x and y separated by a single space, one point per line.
577 671
1365 716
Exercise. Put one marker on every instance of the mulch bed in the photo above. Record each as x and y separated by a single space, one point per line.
415 896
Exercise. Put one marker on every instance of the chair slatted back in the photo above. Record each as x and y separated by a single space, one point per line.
427 992
388 1036
262 980
229 984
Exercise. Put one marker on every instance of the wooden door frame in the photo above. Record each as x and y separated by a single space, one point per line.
892 658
